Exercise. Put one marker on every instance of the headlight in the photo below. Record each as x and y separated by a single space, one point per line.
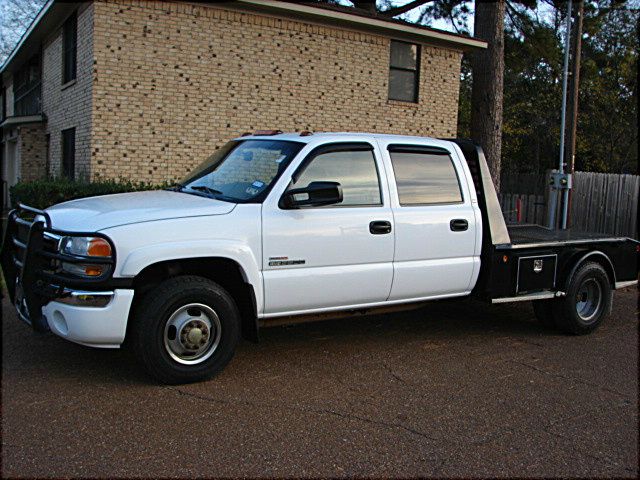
95 247
86 246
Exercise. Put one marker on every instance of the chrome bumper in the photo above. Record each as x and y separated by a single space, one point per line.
81 298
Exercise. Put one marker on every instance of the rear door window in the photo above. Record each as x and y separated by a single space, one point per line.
425 178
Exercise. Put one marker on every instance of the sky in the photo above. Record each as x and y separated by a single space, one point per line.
413 15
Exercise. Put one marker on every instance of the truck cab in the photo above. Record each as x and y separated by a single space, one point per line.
280 227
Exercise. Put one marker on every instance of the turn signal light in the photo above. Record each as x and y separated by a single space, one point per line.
93 271
99 247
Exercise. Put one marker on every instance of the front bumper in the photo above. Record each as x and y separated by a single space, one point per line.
89 311
103 327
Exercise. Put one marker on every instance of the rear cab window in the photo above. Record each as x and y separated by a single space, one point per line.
425 175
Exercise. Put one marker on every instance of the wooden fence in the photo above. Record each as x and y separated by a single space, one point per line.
600 202
523 208
605 202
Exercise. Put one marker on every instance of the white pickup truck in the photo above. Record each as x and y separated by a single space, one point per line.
277 227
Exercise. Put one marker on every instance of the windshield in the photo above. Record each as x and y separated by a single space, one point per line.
241 171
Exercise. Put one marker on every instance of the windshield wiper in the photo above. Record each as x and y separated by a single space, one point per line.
177 187
204 188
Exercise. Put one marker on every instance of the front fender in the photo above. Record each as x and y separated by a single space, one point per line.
138 259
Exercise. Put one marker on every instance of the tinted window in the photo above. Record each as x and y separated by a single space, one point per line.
424 178
70 36
404 66
69 153
355 170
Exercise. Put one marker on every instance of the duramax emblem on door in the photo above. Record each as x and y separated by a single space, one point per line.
284 261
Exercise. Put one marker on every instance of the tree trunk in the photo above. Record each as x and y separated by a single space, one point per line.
486 94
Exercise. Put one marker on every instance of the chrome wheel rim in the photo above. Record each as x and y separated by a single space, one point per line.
588 300
192 333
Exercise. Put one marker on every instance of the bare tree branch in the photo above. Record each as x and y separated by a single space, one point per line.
395 11
15 18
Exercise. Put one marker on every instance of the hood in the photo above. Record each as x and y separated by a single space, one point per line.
97 213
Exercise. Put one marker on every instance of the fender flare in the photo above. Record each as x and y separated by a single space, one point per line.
597 253
138 259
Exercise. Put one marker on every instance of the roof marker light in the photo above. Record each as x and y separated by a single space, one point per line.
267 132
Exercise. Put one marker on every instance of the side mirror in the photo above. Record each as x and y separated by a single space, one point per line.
315 194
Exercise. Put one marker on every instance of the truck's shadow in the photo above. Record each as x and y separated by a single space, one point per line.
444 321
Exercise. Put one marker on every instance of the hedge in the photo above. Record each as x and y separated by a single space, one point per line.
44 193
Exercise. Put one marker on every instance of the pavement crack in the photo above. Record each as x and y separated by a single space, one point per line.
569 377
601 458
345 415
211 399
373 422
397 377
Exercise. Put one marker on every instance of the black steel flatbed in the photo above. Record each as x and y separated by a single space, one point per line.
524 236
531 262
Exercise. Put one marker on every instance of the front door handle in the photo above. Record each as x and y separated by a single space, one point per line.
458 225
380 227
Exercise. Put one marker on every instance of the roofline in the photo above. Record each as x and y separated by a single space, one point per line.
43 11
428 34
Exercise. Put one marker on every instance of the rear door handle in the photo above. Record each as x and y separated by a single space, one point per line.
458 225
380 227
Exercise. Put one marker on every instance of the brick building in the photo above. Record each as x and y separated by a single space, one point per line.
147 89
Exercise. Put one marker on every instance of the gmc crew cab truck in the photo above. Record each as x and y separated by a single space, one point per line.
277 226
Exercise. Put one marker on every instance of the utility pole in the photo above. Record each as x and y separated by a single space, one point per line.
561 181
573 106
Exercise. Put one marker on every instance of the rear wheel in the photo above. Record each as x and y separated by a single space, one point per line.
587 301
186 330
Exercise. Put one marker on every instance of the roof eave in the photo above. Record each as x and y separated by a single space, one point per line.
385 27
25 36
49 18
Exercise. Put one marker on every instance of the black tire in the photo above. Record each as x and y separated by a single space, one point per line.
543 310
151 340
587 302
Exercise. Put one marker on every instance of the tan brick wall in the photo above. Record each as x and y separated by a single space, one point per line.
174 81
32 152
70 105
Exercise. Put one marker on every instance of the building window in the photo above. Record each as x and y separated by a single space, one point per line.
69 153
47 156
425 178
3 108
27 88
404 68
70 41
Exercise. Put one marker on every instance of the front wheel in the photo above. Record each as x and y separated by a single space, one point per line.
587 302
186 330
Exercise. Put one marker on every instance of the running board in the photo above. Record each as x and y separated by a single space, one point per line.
625 284
529 297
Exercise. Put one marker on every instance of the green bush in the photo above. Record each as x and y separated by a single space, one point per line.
44 193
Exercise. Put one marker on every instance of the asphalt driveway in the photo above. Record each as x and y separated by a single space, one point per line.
453 389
